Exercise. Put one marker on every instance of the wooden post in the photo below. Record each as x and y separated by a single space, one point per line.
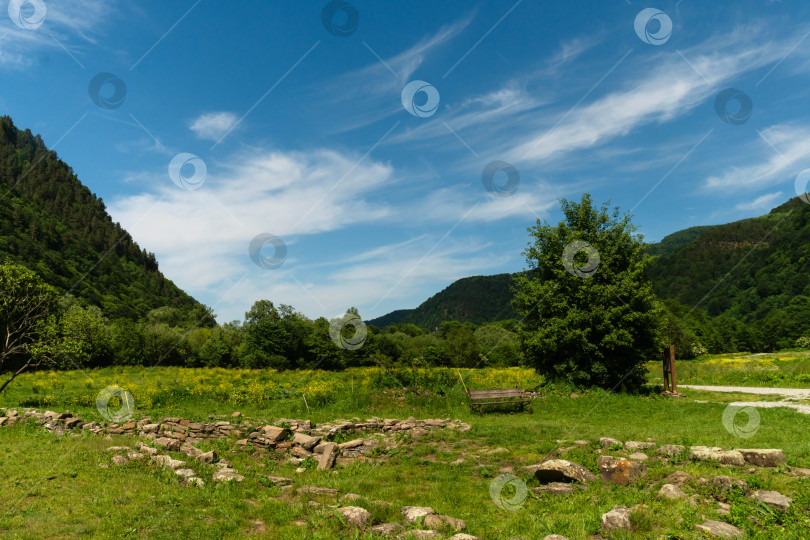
672 369
665 369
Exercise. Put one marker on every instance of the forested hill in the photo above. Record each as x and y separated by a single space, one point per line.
476 299
754 271
54 225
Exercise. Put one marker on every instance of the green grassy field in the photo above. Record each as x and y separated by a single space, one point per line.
59 486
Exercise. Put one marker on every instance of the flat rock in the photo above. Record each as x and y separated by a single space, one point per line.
726 457
620 471
800 472
671 491
639 456
185 473
616 519
411 513
774 499
280 480
671 450
438 521
275 434
386 529
635 446
462 536
561 470
418 534
763 457
317 490
555 488
305 441
119 460
168 462
355 516
227 475
720 529
555 537
327 460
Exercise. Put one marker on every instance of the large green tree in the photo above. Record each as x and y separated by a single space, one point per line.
589 314
26 310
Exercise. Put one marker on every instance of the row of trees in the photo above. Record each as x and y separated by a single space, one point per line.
42 327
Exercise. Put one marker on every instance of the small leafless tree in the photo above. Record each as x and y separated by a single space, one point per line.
25 305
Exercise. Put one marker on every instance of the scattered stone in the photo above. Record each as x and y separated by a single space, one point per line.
774 499
726 483
168 462
437 521
636 446
671 450
280 480
608 441
671 491
555 488
119 460
227 475
418 534
724 508
726 457
386 529
764 457
236 414
720 529
194 481
616 519
679 478
462 536
135 455
800 472
274 434
328 456
620 471
306 442
185 473
555 537
561 470
118 449
411 513
315 490
639 456
355 516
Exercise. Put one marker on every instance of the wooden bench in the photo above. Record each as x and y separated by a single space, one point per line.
500 396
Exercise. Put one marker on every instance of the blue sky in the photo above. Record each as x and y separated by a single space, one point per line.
300 129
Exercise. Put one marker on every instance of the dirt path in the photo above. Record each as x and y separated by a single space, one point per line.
790 395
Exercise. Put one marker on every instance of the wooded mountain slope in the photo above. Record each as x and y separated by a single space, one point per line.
54 225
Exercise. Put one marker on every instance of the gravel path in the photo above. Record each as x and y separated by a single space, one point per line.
790 394
800 393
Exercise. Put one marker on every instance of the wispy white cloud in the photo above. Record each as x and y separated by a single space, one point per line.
781 149
74 25
213 126
763 202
